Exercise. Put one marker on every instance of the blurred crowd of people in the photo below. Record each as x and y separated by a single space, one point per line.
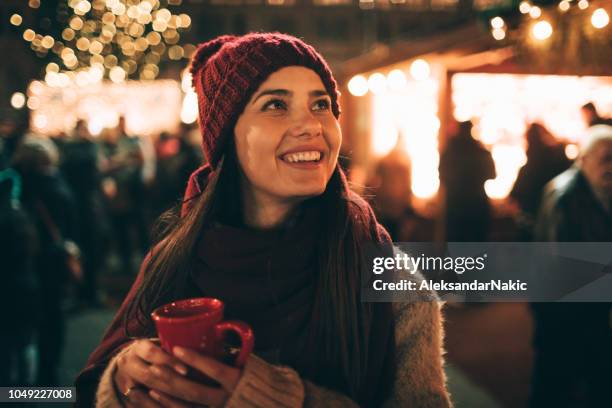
73 206
553 199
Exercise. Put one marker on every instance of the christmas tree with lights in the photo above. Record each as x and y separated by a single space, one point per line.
116 39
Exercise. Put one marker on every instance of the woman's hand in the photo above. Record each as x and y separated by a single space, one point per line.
134 371
174 391
151 377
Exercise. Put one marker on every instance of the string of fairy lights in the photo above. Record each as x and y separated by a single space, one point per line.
114 39
539 21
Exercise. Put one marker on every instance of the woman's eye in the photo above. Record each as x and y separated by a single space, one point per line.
274 104
322 104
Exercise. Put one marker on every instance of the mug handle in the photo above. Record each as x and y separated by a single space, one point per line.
244 331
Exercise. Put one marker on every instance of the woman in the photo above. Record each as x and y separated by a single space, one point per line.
270 227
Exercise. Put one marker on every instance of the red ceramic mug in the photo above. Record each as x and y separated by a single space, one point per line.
197 324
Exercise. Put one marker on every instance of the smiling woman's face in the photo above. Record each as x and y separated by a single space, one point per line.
287 139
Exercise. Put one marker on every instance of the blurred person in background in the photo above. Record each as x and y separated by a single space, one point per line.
392 184
465 165
545 159
19 292
591 116
124 189
80 166
572 341
12 132
176 160
48 200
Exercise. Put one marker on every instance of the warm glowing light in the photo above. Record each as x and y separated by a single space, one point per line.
68 34
189 109
396 79
524 7
96 47
33 103
411 112
141 44
82 7
36 87
71 62
542 30
499 33
16 20
571 151
118 9
117 74
377 83
18 100
583 4
160 25
358 85
420 70
67 53
52 67
83 44
34 4
76 23
153 38
186 80
40 122
96 59
175 52
133 12
29 35
185 21
600 18
564 5
535 12
509 158
163 15
47 42
145 7
497 22
63 80
502 105
110 61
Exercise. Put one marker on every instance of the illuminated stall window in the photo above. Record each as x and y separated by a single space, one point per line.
405 102
149 107
503 105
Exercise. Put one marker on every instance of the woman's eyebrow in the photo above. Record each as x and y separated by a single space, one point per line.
285 92
277 92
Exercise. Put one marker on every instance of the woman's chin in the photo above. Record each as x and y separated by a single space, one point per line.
306 191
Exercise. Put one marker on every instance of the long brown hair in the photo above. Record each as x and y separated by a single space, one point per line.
340 323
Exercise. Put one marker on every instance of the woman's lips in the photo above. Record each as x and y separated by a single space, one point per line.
304 165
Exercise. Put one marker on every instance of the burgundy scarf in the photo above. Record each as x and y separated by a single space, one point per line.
267 278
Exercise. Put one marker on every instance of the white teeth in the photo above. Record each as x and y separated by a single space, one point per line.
302 156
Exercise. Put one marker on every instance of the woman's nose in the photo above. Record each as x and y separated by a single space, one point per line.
305 123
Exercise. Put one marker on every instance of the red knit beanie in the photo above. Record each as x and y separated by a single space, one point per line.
228 70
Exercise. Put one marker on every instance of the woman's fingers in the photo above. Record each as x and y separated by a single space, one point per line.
138 398
161 378
225 375
153 354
